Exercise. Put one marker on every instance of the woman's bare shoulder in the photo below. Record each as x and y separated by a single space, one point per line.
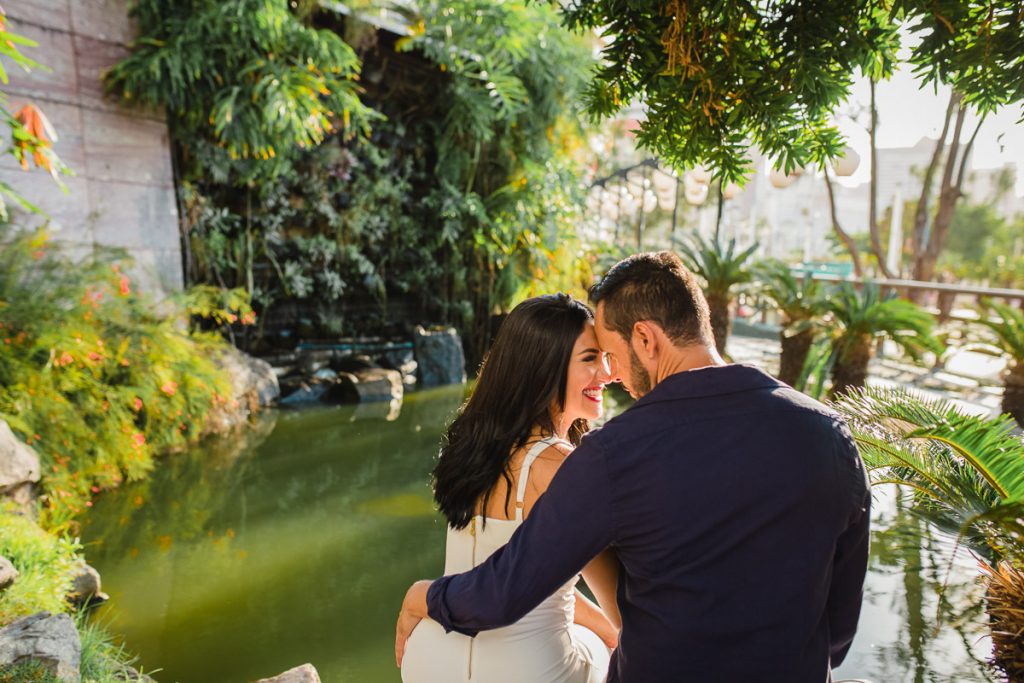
546 465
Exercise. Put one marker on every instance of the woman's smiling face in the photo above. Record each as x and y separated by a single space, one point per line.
587 376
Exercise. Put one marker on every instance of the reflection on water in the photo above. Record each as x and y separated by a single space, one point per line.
296 541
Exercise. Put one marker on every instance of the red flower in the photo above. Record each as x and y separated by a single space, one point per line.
170 387
248 318
124 287
137 404
139 439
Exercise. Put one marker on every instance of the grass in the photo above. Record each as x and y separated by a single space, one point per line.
44 562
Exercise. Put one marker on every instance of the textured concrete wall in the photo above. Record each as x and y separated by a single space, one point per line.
122 193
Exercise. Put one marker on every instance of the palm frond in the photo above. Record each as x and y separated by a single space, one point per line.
1008 329
966 471
720 265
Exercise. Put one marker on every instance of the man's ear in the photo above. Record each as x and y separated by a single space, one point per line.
645 341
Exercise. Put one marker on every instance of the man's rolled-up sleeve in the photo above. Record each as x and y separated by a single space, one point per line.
569 525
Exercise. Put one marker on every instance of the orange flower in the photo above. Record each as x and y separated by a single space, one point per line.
170 387
137 404
249 318
123 286
139 439
65 359
38 126
95 357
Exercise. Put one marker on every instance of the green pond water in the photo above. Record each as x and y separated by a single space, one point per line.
296 541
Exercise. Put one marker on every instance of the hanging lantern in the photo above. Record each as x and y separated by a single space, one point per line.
846 164
730 191
696 194
700 175
780 179
650 201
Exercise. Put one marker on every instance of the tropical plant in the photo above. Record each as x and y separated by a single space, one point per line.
860 318
1008 325
721 267
800 301
966 477
246 79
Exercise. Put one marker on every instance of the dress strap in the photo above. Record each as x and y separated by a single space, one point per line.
524 474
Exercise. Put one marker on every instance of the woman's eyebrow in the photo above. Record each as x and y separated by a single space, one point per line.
588 351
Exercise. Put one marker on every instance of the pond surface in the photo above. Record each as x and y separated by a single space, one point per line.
295 543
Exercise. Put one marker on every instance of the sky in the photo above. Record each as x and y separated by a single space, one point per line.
906 113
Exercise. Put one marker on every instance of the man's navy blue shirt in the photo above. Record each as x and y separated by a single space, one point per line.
739 511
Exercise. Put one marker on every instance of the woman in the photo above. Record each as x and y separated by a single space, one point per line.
537 391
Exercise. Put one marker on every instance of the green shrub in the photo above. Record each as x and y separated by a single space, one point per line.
44 563
92 375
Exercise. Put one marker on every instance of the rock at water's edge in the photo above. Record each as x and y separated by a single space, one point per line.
8 573
439 357
50 640
301 674
253 386
86 586
19 467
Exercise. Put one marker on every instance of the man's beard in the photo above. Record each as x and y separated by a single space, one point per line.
639 378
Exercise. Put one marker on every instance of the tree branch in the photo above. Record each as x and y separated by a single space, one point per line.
918 239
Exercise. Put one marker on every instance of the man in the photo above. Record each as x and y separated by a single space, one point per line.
738 509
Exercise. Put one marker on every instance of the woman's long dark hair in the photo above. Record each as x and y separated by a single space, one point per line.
523 376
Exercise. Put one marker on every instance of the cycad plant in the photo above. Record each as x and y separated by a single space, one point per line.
801 304
966 475
1008 327
858 318
722 267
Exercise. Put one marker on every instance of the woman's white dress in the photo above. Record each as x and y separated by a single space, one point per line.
542 647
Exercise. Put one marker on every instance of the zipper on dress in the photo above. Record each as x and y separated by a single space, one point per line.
472 532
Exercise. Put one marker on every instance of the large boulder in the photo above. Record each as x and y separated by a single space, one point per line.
372 385
49 640
439 357
19 467
301 674
254 385
253 380
7 574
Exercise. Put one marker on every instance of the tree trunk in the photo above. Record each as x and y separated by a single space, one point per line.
851 245
1004 601
794 354
1013 392
949 194
875 233
721 324
850 370
920 236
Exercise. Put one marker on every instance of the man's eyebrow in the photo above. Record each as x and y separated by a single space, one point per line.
588 351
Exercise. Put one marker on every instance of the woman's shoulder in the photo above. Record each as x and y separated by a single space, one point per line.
547 463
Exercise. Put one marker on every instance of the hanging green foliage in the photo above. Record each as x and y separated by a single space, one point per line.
247 76
718 77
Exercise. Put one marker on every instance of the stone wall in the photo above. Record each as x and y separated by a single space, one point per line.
122 193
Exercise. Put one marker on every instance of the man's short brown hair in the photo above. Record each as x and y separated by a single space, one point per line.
654 286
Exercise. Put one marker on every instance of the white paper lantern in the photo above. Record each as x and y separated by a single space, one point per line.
780 179
730 191
847 163
696 194
700 175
